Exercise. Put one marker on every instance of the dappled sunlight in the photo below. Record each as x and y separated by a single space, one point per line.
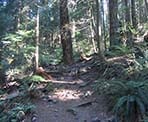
66 82
67 94
124 58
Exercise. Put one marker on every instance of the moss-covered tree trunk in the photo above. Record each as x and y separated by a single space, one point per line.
114 23
128 23
65 33
2 72
133 12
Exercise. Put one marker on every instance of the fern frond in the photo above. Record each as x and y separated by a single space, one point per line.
143 96
120 84
119 103
127 112
140 105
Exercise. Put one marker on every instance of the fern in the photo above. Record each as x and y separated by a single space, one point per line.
140 105
120 103
127 97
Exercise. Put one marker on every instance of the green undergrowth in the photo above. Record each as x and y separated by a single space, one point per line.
16 106
15 109
128 100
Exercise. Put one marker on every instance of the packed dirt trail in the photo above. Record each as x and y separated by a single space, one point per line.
72 100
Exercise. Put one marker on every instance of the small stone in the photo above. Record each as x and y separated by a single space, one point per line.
50 100
44 99
34 119
55 110
54 101
88 93
72 111
76 118
96 120
56 115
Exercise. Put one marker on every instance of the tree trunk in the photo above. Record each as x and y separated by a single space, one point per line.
114 35
129 40
20 6
92 31
66 39
103 24
146 5
97 25
2 71
37 41
133 11
98 31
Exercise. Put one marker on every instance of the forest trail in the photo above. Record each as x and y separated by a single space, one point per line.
73 100
70 103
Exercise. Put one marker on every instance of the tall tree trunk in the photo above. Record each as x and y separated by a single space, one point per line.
114 35
146 5
92 31
66 39
37 41
97 25
129 40
20 6
103 24
98 31
127 12
140 9
2 72
133 11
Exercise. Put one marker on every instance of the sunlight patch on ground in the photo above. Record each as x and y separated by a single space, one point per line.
66 94
67 82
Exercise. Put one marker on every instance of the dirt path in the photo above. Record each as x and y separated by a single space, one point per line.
73 99
70 102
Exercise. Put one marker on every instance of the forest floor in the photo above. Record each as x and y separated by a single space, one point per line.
73 98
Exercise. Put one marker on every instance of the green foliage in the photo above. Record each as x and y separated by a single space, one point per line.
118 51
50 56
82 47
126 98
132 30
49 18
37 78
16 112
49 87
5 20
18 49
29 82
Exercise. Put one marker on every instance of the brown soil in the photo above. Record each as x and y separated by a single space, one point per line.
73 99
70 103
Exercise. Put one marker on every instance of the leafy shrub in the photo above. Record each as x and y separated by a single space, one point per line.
128 99
118 51
16 113
37 78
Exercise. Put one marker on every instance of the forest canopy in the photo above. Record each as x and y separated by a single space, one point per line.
102 42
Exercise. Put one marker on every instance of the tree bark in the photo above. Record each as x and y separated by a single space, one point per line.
133 11
37 41
146 5
92 31
98 31
103 24
66 39
2 71
97 26
129 40
114 23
